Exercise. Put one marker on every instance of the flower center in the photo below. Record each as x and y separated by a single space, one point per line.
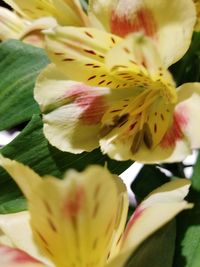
142 119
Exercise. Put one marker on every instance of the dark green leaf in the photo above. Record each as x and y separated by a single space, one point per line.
188 68
188 227
149 178
31 148
19 66
157 250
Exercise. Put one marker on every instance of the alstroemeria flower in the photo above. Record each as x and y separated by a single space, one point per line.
79 221
66 12
197 25
116 93
168 23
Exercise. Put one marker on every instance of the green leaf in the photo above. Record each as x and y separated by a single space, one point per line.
188 68
196 175
157 250
84 4
19 66
32 148
188 227
149 178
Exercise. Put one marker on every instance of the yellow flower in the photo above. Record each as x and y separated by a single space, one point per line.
79 221
115 92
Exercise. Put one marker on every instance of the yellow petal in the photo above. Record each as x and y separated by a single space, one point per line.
26 178
78 217
99 13
125 16
167 201
33 33
16 228
12 257
75 14
11 25
70 107
84 49
123 205
35 9
138 57
76 224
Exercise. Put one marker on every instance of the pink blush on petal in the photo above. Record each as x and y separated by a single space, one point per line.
136 215
142 21
16 256
74 203
175 132
92 104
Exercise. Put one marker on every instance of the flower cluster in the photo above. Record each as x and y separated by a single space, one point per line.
108 85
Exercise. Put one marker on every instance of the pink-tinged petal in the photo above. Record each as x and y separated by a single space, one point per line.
175 133
143 21
188 110
123 17
12 257
71 107
161 206
16 228
33 33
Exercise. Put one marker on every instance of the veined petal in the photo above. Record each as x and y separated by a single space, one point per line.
122 17
121 218
11 25
26 178
137 56
145 92
167 201
84 49
33 33
79 217
77 223
71 107
16 227
72 11
35 9
12 257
